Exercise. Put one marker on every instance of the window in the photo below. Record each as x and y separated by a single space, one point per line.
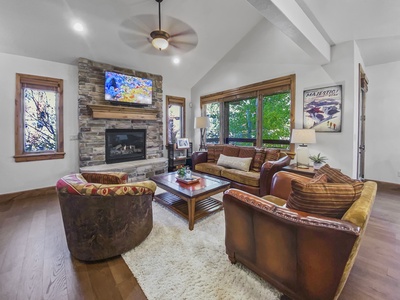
38 118
260 114
276 110
175 119
242 122
212 111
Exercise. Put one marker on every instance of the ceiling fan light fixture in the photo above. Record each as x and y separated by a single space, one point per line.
160 39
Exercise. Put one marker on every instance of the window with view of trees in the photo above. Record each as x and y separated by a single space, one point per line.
38 119
260 114
175 118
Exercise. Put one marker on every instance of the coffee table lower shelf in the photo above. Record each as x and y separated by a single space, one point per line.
203 207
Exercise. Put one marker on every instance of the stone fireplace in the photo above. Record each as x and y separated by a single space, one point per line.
140 164
125 145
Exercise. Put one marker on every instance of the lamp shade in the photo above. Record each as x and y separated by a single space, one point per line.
201 122
303 136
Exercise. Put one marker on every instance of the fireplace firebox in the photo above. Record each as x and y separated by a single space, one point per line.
125 145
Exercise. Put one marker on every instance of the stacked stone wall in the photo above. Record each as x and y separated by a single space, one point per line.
92 131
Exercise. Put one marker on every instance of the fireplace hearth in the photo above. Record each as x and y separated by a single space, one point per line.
125 145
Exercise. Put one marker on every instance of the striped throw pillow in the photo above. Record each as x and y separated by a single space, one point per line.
334 175
259 158
326 199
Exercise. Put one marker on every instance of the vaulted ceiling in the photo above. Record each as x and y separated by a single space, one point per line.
116 31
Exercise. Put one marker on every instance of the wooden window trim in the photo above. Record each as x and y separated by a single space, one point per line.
259 89
179 101
41 83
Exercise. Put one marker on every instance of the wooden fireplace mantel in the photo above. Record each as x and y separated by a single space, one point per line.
100 111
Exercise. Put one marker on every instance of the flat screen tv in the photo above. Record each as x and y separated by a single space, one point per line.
126 89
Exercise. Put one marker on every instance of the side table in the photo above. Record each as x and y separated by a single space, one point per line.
310 172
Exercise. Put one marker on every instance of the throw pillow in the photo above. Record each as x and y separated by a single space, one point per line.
259 158
272 154
248 152
211 153
334 175
325 199
237 163
230 150
218 151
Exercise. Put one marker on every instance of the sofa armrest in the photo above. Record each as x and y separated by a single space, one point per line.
268 170
281 183
198 157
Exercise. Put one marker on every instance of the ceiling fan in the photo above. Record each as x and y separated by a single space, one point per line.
160 37
144 33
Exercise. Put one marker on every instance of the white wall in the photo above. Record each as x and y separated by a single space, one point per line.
266 53
383 123
37 174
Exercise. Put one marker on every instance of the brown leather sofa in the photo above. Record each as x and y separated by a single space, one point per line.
305 256
256 181
103 215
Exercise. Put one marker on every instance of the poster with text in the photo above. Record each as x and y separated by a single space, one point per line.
323 109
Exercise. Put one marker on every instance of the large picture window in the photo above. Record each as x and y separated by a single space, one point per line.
260 114
38 118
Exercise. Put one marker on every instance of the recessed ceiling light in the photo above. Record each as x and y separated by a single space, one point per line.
176 60
78 27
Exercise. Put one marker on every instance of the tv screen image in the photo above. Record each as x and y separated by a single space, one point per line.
127 89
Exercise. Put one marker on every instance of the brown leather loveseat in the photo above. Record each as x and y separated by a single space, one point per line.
304 255
249 169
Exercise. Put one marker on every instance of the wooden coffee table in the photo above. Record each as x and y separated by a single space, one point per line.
190 200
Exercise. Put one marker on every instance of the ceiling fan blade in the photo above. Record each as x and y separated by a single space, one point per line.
183 46
183 33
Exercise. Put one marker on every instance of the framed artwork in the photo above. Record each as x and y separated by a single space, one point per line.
182 143
322 109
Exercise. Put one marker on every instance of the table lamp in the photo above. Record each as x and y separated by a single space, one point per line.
202 123
303 137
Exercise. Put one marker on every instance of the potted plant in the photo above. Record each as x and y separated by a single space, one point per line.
318 160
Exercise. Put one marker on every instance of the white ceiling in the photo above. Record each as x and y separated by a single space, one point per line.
43 29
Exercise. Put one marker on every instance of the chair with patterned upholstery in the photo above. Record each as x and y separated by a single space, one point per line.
103 215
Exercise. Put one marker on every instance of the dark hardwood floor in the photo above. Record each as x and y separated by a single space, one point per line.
35 262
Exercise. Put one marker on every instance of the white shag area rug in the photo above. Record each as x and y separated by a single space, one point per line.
176 263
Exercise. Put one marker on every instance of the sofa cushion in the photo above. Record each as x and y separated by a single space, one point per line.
230 150
326 199
275 200
106 177
272 154
259 159
247 178
238 163
209 168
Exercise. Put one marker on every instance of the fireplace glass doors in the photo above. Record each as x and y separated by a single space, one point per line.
125 145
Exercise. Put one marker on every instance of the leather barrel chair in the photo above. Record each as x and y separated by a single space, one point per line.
103 215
